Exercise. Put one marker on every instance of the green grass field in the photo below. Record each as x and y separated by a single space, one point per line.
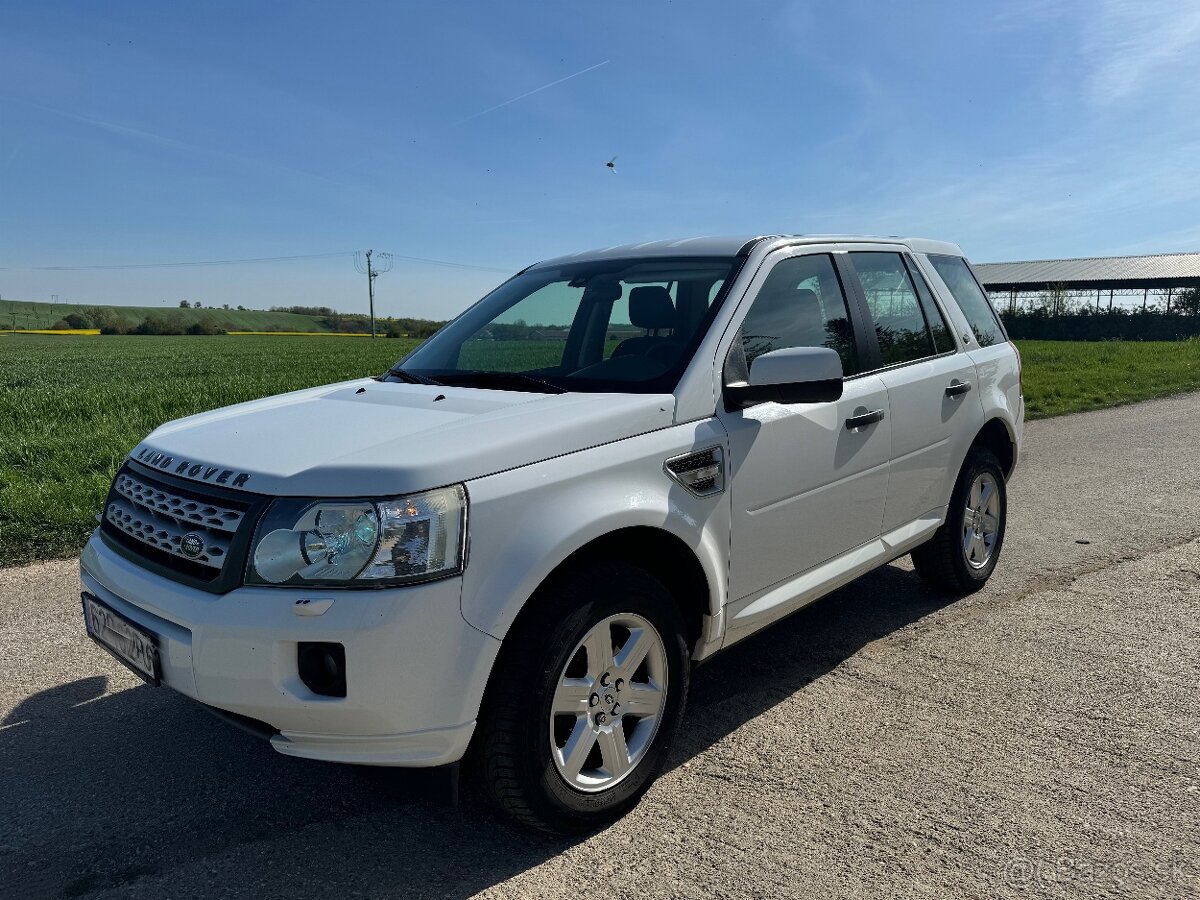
26 314
1067 376
72 407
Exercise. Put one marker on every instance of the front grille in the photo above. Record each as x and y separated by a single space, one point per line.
175 527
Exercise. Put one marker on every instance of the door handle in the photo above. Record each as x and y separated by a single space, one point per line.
958 388
868 418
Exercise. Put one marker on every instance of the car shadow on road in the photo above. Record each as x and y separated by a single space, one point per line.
101 791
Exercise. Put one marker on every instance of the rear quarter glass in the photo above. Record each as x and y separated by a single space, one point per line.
957 275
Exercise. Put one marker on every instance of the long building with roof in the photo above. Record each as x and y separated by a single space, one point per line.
1102 281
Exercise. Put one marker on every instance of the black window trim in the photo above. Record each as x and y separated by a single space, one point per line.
865 311
866 343
914 272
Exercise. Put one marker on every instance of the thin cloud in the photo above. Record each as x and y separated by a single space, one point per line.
1139 43
492 109
114 128
150 137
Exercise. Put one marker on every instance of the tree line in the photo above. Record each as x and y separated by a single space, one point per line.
1058 314
392 326
111 320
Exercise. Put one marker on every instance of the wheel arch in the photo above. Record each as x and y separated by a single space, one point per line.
657 551
998 437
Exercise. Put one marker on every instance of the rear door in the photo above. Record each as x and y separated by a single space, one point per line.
932 387
982 336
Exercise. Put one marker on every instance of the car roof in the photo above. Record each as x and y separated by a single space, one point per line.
743 244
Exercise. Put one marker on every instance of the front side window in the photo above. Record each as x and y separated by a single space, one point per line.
970 298
899 323
627 325
801 304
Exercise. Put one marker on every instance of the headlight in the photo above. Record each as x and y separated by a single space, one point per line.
361 542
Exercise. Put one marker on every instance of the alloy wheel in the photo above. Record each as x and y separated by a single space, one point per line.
608 702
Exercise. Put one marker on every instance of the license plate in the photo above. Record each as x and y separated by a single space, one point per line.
129 642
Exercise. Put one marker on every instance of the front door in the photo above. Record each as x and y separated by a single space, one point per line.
806 482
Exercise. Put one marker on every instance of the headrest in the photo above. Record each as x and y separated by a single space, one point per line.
650 307
808 306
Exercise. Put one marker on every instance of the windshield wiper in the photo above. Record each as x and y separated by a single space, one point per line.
501 381
410 377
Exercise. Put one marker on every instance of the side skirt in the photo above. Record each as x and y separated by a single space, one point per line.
750 614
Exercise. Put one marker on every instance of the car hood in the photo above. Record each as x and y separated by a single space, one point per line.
368 438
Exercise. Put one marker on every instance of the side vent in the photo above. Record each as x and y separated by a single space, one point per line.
701 472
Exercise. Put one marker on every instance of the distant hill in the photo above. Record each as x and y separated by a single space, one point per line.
21 314
29 314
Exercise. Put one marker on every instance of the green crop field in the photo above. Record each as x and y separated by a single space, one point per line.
72 407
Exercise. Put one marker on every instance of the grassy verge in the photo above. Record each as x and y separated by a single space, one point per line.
1066 376
72 407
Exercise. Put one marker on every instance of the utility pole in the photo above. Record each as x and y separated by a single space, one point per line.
364 265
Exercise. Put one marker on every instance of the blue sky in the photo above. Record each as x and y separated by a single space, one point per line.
144 132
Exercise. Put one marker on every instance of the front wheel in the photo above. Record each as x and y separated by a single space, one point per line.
585 700
962 554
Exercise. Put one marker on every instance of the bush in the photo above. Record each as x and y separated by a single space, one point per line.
117 325
1188 301
1089 324
208 326
156 323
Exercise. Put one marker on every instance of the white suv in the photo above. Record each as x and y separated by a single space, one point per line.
513 546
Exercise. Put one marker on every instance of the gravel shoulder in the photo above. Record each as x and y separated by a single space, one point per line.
1039 738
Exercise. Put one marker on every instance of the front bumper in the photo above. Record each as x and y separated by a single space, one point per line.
415 670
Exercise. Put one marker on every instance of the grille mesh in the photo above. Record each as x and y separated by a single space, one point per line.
181 509
159 519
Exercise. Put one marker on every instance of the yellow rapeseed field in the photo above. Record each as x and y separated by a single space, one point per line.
54 331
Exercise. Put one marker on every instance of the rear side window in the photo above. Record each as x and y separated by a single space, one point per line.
801 304
892 299
942 340
970 298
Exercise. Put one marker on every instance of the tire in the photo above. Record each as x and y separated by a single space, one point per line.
532 762
959 559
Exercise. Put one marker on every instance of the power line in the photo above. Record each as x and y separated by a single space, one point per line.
456 265
196 262
263 259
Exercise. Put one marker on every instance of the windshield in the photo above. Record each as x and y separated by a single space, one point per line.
608 325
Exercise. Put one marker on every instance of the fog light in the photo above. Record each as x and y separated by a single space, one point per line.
322 668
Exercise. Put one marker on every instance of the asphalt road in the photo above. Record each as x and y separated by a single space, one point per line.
1038 738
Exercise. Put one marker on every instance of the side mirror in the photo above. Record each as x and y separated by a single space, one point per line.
792 375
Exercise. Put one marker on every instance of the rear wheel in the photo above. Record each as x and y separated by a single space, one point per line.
962 554
585 700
